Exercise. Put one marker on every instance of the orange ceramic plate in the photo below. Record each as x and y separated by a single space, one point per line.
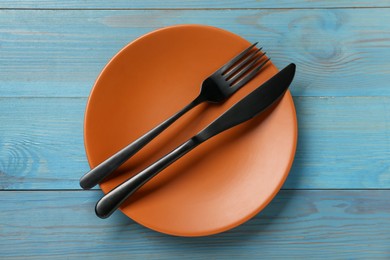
223 182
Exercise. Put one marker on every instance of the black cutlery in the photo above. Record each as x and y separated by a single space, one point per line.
216 88
250 106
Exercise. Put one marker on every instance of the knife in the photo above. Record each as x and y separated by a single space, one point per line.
250 106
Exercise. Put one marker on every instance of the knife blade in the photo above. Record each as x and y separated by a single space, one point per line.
250 106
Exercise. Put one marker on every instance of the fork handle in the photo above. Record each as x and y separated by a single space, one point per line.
112 200
104 169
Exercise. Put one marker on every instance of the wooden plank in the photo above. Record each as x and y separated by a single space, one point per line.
297 224
41 143
168 4
338 52
343 142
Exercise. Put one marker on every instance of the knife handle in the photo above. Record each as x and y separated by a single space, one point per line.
104 169
112 200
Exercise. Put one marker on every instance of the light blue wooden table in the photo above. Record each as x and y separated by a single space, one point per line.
334 204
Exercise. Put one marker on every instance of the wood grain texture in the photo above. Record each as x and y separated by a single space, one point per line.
193 4
343 142
41 143
50 55
297 224
59 53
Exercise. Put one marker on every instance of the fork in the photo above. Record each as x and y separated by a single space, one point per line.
216 88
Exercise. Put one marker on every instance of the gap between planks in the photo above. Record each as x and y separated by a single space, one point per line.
192 9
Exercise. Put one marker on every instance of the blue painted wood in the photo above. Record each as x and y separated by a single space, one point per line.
343 143
297 224
339 52
341 94
156 4
41 143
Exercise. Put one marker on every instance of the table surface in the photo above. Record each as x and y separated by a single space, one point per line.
335 202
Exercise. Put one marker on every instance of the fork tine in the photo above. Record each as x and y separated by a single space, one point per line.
250 76
245 69
235 59
241 64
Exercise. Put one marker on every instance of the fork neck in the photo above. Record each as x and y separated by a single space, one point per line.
199 99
